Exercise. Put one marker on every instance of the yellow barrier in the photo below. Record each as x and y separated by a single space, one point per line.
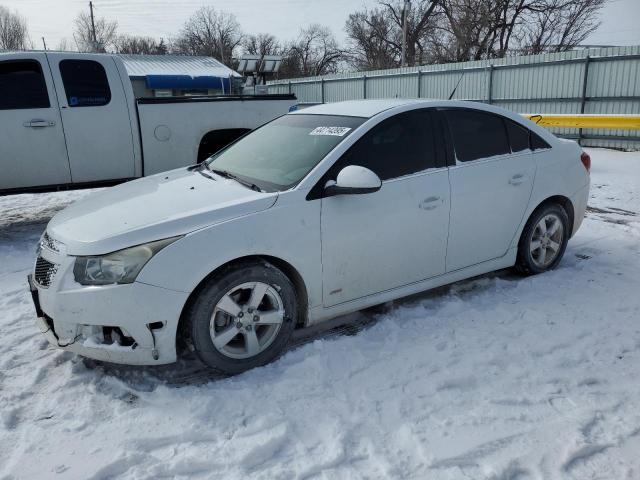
615 122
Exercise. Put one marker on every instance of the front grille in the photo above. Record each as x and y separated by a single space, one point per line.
45 271
50 243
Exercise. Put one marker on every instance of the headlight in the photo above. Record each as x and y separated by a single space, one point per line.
122 266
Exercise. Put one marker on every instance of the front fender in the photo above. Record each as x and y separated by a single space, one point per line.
290 231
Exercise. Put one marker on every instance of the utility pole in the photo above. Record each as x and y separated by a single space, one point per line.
93 28
405 15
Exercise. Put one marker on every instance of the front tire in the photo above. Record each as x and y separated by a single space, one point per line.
544 240
242 318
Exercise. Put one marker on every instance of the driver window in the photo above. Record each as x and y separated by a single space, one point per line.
401 145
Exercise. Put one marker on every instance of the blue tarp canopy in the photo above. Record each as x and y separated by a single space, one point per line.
187 82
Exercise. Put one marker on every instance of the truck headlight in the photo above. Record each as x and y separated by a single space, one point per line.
122 266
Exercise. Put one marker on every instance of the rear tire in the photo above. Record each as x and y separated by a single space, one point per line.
242 318
544 240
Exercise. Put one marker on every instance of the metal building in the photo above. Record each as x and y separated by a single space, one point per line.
596 80
178 75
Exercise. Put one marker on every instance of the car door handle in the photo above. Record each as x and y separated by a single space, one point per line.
430 203
517 179
39 123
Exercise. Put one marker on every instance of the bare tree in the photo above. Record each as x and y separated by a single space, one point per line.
211 33
420 21
560 25
131 44
497 27
105 33
373 40
459 30
379 32
314 52
65 45
13 31
261 44
470 30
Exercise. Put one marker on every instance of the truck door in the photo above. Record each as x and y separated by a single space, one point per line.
32 148
95 116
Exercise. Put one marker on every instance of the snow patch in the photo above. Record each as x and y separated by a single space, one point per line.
501 377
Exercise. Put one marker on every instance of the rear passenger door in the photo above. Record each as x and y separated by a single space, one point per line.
32 148
491 183
96 119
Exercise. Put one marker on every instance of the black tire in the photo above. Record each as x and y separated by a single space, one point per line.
529 264
199 317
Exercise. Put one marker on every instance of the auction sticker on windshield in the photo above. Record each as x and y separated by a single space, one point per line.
332 131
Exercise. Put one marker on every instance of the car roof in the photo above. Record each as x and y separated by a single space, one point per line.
371 108
357 108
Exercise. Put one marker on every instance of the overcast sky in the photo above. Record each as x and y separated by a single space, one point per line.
163 18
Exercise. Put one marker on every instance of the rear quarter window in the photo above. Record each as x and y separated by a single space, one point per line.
537 143
518 136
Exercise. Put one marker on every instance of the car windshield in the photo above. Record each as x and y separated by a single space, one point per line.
279 154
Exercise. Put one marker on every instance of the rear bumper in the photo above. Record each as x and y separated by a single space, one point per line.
132 324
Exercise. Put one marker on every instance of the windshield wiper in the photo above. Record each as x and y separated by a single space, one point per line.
225 174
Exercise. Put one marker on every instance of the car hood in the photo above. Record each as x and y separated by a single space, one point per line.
152 208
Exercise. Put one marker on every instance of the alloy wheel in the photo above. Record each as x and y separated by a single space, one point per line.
546 240
246 320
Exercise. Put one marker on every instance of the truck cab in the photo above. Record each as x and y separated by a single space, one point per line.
58 116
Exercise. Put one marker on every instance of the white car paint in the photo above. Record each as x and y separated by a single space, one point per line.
488 200
349 252
126 138
360 232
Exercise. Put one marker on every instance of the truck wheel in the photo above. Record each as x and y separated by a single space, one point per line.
242 318
544 240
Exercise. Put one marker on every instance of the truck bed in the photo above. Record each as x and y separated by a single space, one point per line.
171 137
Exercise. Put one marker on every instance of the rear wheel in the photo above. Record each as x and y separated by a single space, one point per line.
242 318
543 240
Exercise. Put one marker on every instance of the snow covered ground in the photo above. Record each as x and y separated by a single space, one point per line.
499 377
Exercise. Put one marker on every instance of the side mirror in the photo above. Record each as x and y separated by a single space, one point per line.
353 180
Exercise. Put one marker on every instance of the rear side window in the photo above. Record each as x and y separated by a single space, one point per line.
477 134
518 136
538 143
401 145
85 83
22 86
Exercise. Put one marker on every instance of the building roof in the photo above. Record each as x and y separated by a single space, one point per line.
144 65
179 72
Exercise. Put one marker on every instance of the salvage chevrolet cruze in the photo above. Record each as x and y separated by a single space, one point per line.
321 212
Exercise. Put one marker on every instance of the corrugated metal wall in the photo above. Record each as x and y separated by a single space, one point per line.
602 80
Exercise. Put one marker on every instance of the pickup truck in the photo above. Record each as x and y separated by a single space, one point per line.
71 120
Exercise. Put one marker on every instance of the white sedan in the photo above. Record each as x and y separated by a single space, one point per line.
318 213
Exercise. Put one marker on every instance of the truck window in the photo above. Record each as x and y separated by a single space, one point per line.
85 83
22 85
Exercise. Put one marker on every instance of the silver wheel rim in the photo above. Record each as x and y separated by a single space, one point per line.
246 320
546 240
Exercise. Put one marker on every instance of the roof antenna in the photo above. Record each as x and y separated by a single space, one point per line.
456 87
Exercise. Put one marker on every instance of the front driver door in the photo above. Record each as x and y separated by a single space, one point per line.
32 147
397 235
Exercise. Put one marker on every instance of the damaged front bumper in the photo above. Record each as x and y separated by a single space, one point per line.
133 324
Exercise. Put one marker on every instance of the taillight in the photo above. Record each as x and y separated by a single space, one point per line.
586 160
